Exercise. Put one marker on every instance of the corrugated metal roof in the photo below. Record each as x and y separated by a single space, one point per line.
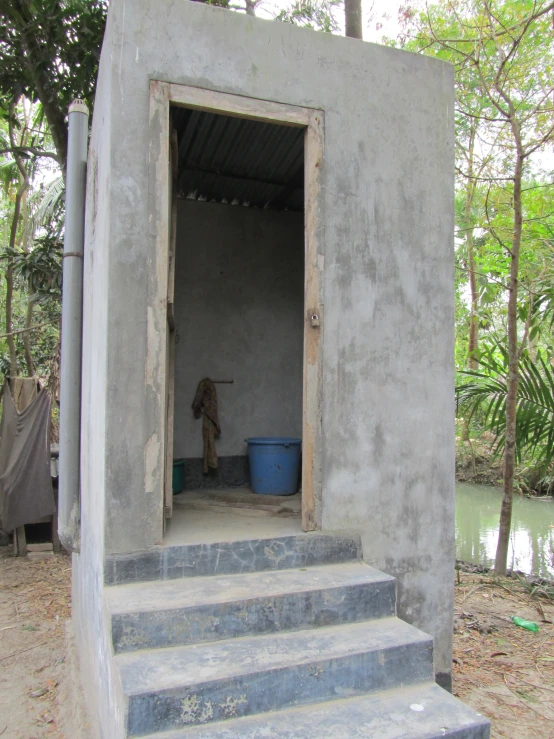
239 161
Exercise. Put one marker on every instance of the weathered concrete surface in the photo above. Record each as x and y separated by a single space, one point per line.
418 712
230 557
239 307
90 623
177 612
208 650
233 500
232 471
386 226
204 527
212 682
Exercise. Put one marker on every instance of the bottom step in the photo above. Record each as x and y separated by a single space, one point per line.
419 712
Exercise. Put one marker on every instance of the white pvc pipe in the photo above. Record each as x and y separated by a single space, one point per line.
69 507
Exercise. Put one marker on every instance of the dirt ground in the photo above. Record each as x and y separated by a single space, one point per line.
35 603
501 670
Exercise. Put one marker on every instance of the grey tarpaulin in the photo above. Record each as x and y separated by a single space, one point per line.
25 483
24 390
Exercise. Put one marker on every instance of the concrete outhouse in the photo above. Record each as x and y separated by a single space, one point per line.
271 208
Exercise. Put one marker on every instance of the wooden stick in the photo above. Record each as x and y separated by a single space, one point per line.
26 330
14 654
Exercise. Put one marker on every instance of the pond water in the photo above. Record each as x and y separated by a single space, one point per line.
532 536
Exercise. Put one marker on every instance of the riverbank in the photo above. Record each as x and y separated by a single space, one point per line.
531 545
500 670
476 464
529 582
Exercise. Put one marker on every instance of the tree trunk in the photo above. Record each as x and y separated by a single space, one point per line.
473 344
27 340
353 18
525 342
500 563
9 328
24 180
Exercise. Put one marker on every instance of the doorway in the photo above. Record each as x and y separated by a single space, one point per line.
243 292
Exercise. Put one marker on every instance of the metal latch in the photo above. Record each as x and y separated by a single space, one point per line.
314 319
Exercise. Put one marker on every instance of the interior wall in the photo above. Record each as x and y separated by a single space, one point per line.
239 305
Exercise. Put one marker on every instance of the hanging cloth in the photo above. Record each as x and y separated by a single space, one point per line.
205 405
24 390
25 483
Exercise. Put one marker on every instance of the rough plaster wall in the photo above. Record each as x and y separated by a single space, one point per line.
386 225
393 465
89 618
239 306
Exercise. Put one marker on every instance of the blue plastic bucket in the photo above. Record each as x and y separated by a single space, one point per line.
274 464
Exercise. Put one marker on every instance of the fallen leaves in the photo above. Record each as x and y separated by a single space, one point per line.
35 605
502 671
38 693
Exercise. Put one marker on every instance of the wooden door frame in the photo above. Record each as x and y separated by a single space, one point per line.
162 96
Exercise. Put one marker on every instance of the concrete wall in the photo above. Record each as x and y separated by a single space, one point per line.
89 617
239 308
386 230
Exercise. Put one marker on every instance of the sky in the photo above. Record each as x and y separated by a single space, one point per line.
384 11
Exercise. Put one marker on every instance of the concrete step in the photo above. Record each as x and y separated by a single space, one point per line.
183 686
422 711
192 610
231 557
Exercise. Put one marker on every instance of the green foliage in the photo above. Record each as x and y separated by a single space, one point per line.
44 342
504 126
217 3
51 205
40 268
315 14
63 37
49 52
34 257
483 392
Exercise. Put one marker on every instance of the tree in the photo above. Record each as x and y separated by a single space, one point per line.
249 6
34 218
500 46
21 178
486 391
353 19
315 14
49 52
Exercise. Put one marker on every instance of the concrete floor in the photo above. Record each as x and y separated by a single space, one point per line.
240 498
211 516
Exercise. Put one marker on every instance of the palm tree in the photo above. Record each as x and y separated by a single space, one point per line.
485 390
